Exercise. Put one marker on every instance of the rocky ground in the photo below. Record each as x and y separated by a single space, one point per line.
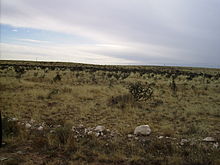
38 149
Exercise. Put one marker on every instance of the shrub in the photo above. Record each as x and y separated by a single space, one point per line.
9 127
57 78
140 91
52 93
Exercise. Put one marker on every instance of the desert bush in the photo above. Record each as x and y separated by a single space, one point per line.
9 127
63 134
57 78
140 91
52 92
20 70
173 86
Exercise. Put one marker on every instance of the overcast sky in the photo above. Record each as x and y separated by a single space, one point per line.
140 32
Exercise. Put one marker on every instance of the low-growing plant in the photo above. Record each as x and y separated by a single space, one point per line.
57 78
51 93
140 91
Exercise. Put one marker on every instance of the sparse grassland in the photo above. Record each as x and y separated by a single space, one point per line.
179 103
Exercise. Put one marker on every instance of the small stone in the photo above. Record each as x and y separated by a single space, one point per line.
3 158
136 138
52 131
183 141
209 139
81 126
32 121
160 137
20 152
97 134
14 119
27 126
130 135
216 145
142 130
40 128
89 133
100 128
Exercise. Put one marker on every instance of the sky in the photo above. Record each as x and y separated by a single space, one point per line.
113 32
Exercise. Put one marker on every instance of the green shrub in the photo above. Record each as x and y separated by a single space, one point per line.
140 91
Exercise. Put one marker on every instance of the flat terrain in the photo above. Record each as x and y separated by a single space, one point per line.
50 112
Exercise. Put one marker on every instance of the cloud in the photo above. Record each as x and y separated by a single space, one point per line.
169 31
57 53
32 41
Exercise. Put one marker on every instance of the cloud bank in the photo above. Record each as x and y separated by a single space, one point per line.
138 32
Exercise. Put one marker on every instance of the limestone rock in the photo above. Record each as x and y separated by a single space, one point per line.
89 133
209 139
216 145
184 141
142 130
27 126
40 128
130 135
160 137
14 119
100 128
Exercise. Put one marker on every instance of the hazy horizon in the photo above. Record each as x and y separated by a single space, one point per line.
143 32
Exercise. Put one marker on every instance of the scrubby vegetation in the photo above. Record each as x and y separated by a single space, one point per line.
50 112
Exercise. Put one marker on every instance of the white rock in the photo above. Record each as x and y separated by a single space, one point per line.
130 135
52 131
89 133
27 126
215 145
209 139
97 134
14 119
20 152
160 137
136 138
142 130
108 130
40 128
100 128
183 141
81 126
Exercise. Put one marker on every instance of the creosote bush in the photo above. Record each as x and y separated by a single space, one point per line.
57 78
140 91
